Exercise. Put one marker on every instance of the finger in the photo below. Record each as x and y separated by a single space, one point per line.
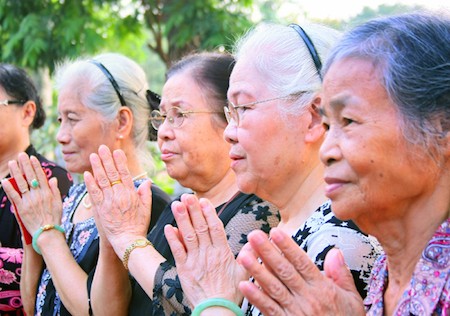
108 164
17 174
53 184
265 304
39 172
145 195
11 192
121 163
176 244
216 229
197 218
99 172
95 193
27 169
299 260
336 269
184 225
276 269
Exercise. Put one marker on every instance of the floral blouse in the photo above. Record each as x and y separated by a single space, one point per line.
83 241
429 291
11 252
321 232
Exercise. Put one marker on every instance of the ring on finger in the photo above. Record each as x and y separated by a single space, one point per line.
34 183
24 191
116 182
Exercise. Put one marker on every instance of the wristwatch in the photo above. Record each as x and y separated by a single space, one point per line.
138 243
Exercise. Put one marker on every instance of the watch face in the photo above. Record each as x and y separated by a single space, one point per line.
141 242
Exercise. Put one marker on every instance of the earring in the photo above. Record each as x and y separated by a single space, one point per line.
120 136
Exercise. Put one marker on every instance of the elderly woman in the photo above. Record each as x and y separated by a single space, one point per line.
387 166
190 124
101 101
21 112
275 131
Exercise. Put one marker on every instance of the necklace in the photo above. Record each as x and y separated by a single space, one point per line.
87 204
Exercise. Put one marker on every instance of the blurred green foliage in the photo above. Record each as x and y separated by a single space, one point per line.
37 34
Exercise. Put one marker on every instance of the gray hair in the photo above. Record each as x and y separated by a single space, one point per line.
96 92
412 55
282 57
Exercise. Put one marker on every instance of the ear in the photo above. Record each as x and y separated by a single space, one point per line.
28 113
315 129
125 119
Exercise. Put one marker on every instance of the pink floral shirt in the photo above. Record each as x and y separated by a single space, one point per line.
429 291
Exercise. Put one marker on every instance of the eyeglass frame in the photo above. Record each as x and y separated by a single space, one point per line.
8 102
228 111
184 114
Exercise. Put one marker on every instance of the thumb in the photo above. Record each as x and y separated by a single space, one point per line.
145 194
336 269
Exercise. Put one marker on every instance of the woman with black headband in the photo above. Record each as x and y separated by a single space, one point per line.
275 132
102 103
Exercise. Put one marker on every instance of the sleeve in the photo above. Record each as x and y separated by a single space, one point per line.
360 251
168 295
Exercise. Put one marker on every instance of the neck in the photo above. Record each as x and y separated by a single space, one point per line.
415 222
8 155
302 201
221 191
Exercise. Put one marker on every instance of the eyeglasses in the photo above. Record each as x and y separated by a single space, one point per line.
175 116
234 112
8 102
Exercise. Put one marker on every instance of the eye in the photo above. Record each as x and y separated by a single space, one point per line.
347 121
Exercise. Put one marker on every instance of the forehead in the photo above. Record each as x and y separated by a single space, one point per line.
181 88
246 79
352 79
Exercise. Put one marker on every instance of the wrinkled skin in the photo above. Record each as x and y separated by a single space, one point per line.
289 282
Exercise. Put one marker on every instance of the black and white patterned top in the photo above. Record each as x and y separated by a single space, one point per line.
321 232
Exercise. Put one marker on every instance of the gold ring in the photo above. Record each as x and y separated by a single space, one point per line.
34 184
116 182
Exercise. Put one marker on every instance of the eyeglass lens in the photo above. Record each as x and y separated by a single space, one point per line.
174 116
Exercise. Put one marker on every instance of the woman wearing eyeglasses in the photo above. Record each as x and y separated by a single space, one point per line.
101 101
21 112
190 123
275 132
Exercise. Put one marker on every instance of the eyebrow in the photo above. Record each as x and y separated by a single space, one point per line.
336 104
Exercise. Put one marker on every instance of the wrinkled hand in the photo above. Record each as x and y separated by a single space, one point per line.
37 206
290 283
122 214
205 263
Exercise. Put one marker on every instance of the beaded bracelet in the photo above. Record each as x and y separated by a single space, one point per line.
39 232
217 302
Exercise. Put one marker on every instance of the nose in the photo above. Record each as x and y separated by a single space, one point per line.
63 135
330 150
165 131
230 132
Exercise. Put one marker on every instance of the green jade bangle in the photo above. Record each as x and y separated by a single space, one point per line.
211 302
40 231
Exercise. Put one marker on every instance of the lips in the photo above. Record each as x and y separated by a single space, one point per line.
333 185
167 154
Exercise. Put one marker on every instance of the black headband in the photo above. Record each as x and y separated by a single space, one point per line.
111 79
309 44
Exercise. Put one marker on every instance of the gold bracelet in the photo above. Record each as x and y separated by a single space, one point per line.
139 243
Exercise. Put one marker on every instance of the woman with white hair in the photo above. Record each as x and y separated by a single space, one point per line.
101 101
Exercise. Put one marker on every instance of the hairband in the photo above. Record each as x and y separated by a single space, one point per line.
111 79
309 44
